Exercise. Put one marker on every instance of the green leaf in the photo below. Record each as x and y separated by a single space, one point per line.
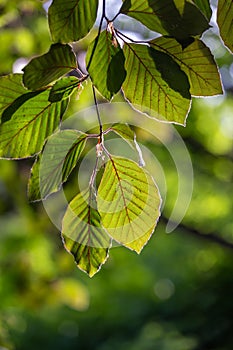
196 61
204 6
105 64
71 20
83 234
175 18
43 70
124 131
51 169
10 88
225 22
155 84
63 88
128 202
28 119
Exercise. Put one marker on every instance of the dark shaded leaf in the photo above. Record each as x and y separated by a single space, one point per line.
43 70
179 19
105 63
204 6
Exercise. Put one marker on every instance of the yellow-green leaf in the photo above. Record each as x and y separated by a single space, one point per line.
83 235
196 61
53 167
155 84
28 119
225 22
128 202
71 20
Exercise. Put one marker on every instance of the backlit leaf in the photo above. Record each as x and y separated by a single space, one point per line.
105 64
155 84
124 131
225 22
180 19
27 121
71 20
128 202
83 235
196 61
42 70
63 88
10 88
60 155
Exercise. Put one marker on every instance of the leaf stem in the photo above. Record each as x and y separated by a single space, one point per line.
104 9
123 37
93 175
98 116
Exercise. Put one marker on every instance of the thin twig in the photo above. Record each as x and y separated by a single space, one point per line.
98 35
98 115
123 37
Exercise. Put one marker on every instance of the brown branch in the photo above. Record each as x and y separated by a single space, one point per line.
213 237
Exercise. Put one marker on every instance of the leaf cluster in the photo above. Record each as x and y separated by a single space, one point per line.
158 77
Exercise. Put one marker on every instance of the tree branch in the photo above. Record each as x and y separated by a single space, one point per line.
213 237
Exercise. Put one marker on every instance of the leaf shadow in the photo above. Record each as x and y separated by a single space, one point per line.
171 72
116 72
16 104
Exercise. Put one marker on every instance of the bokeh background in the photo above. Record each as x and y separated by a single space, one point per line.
176 295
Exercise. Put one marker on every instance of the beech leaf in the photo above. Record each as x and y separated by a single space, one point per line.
71 20
43 70
83 235
105 63
196 61
27 120
225 22
53 167
155 84
128 202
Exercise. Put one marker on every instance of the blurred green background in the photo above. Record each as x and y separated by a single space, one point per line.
177 295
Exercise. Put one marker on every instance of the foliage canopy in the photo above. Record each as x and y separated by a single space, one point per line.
158 77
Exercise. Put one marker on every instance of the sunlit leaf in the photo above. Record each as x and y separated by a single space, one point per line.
63 88
83 235
196 61
71 20
42 70
10 88
105 63
225 22
124 131
60 155
175 18
128 202
27 120
155 84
